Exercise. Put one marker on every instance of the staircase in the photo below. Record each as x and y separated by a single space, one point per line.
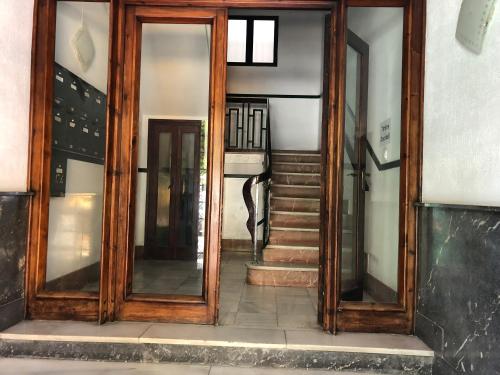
292 255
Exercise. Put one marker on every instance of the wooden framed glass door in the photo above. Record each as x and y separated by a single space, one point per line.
173 190
167 255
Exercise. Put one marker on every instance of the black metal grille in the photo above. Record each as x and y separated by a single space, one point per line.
246 124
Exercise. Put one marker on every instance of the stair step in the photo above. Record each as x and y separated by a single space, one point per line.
294 237
291 254
294 219
295 191
295 204
282 274
290 157
296 167
288 178
166 343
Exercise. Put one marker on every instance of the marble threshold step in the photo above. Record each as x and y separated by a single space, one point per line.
217 345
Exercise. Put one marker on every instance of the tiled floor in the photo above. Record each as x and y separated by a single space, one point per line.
53 367
262 306
168 277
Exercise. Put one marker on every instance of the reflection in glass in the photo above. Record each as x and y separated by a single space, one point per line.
371 155
170 200
164 186
78 144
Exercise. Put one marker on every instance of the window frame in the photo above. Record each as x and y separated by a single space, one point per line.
250 40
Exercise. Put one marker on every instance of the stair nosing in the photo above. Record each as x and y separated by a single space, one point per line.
297 186
293 229
285 266
293 248
295 213
299 198
309 174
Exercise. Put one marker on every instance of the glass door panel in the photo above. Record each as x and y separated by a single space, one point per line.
174 88
75 206
372 142
164 188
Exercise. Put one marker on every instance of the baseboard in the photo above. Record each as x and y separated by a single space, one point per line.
378 290
75 280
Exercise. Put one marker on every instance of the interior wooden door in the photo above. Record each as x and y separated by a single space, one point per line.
173 190
174 72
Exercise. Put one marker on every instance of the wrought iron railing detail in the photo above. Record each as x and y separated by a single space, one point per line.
253 223
246 123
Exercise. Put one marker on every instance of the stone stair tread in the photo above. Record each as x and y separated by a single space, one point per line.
292 247
295 213
297 174
296 198
294 229
282 266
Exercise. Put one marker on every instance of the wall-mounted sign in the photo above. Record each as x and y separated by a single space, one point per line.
385 132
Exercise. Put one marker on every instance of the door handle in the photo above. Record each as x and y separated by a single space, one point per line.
364 181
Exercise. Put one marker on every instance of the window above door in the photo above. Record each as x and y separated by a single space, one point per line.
252 41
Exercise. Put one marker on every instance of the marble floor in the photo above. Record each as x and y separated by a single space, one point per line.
174 277
54 367
262 306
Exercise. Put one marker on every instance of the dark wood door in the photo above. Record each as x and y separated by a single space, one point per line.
173 190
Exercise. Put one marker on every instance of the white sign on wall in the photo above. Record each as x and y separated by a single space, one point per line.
385 132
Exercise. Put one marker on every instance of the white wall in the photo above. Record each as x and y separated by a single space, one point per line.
295 123
382 29
235 213
16 21
75 221
462 112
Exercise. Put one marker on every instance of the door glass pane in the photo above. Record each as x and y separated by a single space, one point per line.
263 41
370 246
164 185
170 194
78 146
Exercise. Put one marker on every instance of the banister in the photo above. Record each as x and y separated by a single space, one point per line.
252 206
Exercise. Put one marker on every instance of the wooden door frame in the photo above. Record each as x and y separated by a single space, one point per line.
152 180
182 309
100 306
376 317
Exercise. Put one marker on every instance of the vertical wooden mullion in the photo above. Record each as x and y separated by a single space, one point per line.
110 177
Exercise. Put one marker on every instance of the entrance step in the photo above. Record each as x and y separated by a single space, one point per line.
289 178
290 219
217 345
295 191
280 167
282 274
291 254
295 204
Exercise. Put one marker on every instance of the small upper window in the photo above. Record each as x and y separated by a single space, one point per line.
252 40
